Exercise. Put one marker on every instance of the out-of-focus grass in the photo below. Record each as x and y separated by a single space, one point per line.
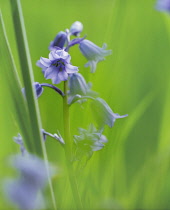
132 171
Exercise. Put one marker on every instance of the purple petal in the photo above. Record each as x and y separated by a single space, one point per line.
53 55
71 69
56 80
117 116
63 75
45 61
65 56
51 72
92 65
39 64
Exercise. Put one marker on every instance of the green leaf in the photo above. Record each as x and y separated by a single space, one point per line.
9 73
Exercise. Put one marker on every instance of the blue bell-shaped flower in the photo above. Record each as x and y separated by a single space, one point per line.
93 53
103 114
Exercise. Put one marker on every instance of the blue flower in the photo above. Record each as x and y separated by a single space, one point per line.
57 67
24 195
76 28
88 141
37 87
103 114
93 53
59 41
77 85
24 191
163 5
79 88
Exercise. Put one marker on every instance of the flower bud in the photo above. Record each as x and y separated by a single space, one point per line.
38 88
76 28
59 41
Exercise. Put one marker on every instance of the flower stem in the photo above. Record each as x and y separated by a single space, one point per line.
68 149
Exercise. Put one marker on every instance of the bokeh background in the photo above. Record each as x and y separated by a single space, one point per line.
132 171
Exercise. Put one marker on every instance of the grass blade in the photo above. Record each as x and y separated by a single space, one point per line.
28 78
9 73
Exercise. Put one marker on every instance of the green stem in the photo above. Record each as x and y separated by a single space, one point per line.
68 149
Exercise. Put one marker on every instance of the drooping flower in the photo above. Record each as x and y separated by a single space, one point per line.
57 67
77 85
93 53
78 88
76 28
38 89
88 141
103 114
25 190
163 5
59 41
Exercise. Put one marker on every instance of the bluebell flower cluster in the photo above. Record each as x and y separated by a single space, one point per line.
58 68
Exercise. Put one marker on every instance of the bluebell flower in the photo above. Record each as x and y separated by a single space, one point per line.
77 85
59 41
78 88
89 140
163 5
103 114
23 195
76 28
38 89
93 53
24 191
57 67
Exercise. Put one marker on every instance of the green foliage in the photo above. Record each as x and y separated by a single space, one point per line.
132 171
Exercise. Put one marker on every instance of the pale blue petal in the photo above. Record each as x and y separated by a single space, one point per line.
56 80
45 61
63 75
92 65
53 55
71 69
51 72
39 64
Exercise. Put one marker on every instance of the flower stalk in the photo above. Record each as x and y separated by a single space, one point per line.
68 149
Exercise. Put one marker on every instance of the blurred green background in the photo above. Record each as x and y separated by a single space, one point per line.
132 171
